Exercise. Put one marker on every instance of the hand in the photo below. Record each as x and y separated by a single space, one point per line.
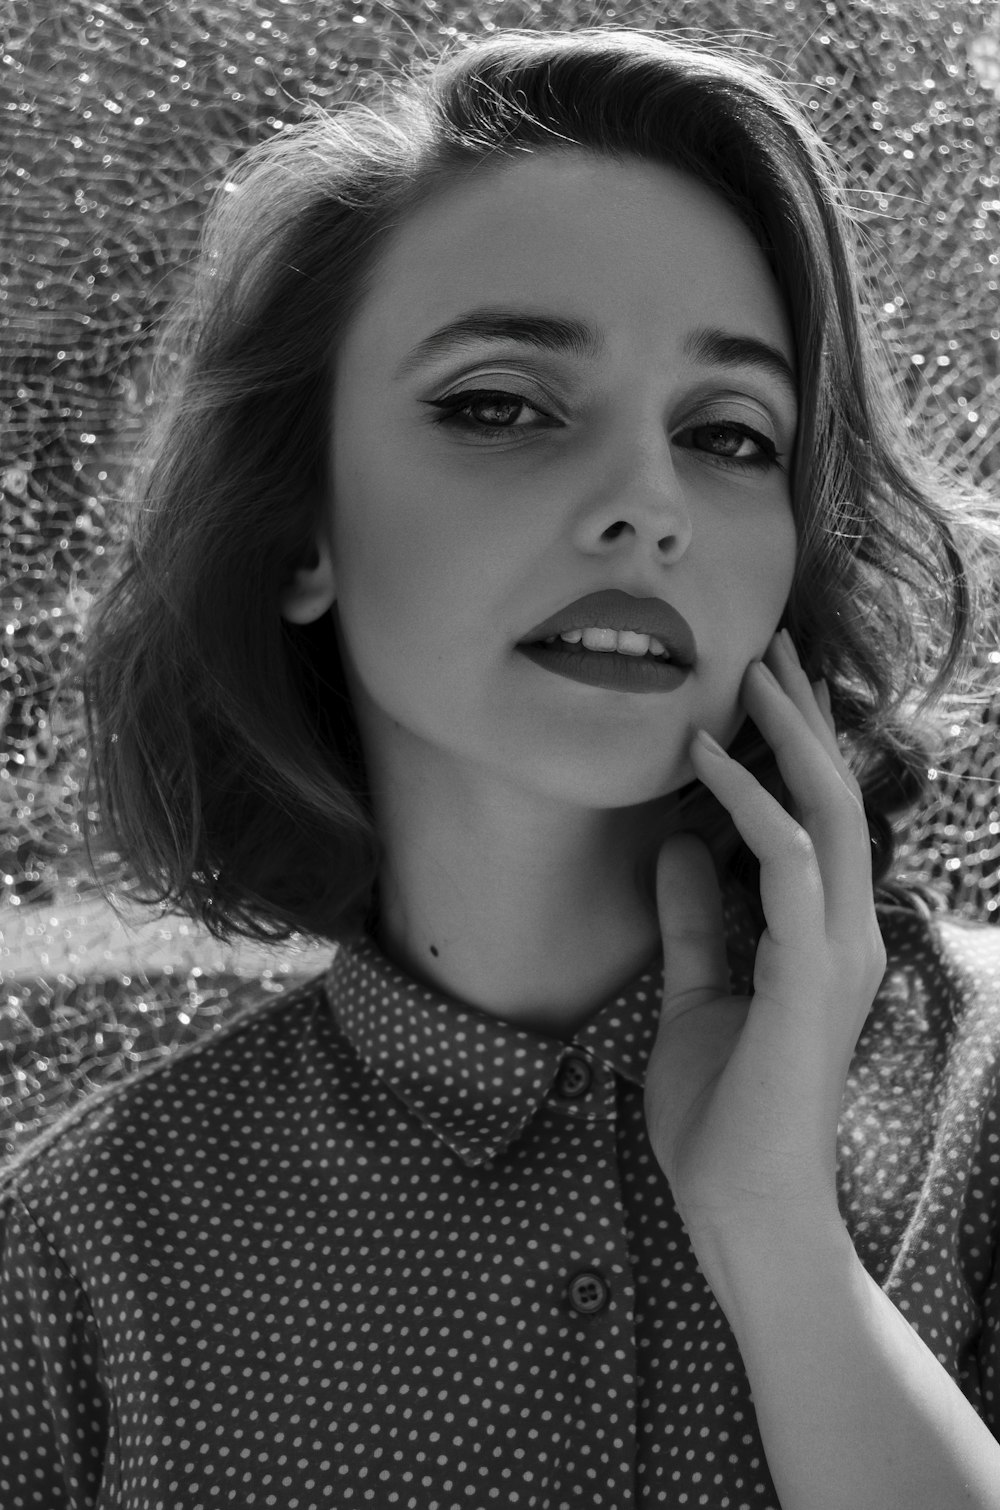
743 1096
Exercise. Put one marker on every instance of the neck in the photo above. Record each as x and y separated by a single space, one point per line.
523 907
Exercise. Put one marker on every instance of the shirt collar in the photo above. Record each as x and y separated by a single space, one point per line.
474 1080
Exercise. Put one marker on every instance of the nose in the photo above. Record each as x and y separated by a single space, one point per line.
639 505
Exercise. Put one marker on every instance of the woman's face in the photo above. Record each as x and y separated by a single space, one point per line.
480 488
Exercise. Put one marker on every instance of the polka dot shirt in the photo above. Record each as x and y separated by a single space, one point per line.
370 1246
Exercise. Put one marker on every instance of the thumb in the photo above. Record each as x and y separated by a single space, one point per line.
689 902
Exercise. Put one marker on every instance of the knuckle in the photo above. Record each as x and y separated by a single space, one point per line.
869 962
798 845
851 801
879 956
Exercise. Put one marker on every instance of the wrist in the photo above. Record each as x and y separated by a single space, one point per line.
767 1256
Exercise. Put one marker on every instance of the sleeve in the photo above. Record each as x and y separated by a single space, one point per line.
981 1224
989 1355
53 1408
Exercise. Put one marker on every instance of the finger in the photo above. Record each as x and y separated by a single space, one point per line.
783 659
828 815
822 695
822 692
812 700
791 885
691 921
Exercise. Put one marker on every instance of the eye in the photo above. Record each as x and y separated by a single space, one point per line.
462 411
731 443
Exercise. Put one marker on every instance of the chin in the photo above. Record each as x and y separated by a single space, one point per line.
611 786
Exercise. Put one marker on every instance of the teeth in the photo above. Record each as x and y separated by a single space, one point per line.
624 641
600 639
632 644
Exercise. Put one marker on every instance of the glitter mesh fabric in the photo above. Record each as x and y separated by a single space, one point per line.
119 121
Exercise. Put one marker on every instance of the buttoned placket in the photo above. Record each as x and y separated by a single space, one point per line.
584 1089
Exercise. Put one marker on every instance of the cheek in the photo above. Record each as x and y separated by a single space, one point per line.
386 541
417 549
786 557
755 568
768 560
408 589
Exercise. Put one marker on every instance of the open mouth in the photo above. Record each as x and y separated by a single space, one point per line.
612 669
615 640
612 642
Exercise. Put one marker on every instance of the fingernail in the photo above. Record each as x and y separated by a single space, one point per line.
769 674
709 743
789 645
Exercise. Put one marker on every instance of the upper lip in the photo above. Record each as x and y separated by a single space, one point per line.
613 609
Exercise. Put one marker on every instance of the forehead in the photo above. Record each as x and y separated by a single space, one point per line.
639 247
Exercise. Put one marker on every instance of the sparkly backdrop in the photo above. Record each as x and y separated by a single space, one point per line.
118 120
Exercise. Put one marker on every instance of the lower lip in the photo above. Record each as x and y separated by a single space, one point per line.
607 668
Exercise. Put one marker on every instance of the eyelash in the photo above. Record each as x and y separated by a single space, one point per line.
455 406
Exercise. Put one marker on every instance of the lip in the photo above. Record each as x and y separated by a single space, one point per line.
615 673
614 609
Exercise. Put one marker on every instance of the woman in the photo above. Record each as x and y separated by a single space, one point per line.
528 443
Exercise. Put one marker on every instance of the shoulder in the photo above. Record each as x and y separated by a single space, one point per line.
953 963
933 1034
193 1094
971 949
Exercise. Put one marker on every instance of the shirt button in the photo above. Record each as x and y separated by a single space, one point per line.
588 1292
574 1077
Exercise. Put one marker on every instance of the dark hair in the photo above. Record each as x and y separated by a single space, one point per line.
225 760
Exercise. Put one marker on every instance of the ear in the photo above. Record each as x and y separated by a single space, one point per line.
312 590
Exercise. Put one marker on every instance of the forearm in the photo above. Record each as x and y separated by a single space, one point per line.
855 1412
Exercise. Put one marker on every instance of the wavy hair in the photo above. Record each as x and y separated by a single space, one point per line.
226 766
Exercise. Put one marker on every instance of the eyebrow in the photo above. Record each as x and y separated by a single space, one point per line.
546 332
575 337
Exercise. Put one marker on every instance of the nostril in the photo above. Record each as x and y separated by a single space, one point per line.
614 530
